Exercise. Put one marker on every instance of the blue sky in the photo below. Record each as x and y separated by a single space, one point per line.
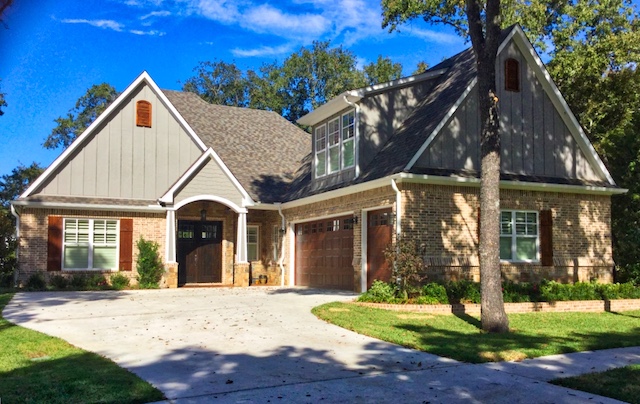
53 51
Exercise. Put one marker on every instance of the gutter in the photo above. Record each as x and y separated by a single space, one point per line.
356 154
282 248
394 185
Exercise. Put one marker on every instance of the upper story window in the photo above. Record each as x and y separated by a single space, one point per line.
511 75
143 114
519 235
335 145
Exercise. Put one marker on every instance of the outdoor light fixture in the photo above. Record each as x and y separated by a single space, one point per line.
203 215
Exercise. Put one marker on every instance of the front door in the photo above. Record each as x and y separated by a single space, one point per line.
379 230
199 252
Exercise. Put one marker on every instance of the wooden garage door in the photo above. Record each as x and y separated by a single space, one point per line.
324 253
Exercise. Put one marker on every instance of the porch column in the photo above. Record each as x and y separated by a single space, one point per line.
241 241
170 239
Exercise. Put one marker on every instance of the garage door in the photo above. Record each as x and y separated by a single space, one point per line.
324 253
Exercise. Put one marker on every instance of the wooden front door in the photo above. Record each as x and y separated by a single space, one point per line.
379 230
199 252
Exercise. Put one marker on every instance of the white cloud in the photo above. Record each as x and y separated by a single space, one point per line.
218 10
262 51
432 36
105 24
151 32
163 13
266 18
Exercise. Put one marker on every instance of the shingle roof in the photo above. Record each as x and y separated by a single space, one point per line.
260 148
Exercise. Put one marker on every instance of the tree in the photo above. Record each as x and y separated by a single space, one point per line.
219 83
482 22
87 109
421 67
382 70
11 186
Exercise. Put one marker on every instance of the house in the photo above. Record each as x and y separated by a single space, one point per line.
238 196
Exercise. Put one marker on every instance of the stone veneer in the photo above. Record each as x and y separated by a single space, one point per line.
444 221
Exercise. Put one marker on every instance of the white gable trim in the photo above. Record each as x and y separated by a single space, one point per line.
143 77
168 197
523 44
213 198
441 125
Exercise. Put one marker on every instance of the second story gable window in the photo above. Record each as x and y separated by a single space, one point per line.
512 75
335 145
143 114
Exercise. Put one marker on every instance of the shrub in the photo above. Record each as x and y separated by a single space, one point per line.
552 291
149 265
379 292
96 281
463 291
618 291
433 293
119 281
79 281
59 282
519 292
36 282
406 262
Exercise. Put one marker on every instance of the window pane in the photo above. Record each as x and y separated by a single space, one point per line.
348 155
334 159
334 132
252 234
252 252
76 257
105 258
505 248
526 248
321 164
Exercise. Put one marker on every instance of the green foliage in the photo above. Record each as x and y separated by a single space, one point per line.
463 291
36 282
219 83
87 109
79 281
382 70
405 259
433 293
552 291
59 282
148 264
379 292
610 291
622 383
519 292
119 281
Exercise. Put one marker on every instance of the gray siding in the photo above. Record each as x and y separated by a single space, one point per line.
121 160
534 138
210 180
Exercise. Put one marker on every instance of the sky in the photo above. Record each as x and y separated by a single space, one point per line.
52 51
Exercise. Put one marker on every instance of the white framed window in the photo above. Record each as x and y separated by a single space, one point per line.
321 152
90 244
335 145
253 242
275 243
348 140
519 236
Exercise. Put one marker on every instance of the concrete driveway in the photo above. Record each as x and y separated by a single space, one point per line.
262 345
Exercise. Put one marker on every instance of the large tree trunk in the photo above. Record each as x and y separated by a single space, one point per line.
485 44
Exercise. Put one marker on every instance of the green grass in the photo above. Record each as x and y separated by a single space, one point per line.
37 368
460 337
622 384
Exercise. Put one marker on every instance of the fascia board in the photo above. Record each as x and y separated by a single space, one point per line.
522 42
441 125
209 153
333 106
402 82
143 77
88 206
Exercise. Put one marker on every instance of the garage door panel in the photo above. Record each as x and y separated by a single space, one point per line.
324 253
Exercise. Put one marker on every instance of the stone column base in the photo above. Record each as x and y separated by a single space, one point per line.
241 274
171 275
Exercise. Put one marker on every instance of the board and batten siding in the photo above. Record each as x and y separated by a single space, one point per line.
122 160
210 180
535 139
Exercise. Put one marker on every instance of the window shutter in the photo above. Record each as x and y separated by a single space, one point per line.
126 244
511 75
54 244
143 114
546 238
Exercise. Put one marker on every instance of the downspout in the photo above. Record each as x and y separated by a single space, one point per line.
282 248
398 208
356 134
15 214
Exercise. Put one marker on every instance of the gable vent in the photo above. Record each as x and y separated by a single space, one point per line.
143 114
512 75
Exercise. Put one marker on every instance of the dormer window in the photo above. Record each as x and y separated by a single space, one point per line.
335 145
143 114
512 75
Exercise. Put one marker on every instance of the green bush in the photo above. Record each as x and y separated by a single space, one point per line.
405 259
379 292
119 281
59 282
433 293
610 291
149 265
97 281
463 291
552 291
79 282
519 292
36 282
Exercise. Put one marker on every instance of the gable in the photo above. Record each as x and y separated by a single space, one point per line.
538 138
119 159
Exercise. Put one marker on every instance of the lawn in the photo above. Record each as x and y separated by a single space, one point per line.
622 384
460 337
37 368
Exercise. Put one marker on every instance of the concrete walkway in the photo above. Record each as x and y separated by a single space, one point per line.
263 345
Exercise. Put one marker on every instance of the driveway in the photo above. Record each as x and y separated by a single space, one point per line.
263 345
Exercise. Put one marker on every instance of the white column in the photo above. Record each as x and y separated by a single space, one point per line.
170 240
241 241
